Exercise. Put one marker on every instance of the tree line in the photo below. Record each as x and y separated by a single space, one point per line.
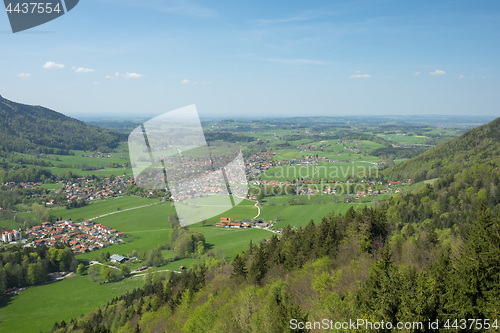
26 266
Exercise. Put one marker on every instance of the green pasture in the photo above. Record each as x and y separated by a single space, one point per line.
101 207
38 308
324 170
231 241
404 139
145 228
300 215
98 172
8 224
51 187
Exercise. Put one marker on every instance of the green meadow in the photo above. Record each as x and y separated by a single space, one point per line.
323 170
405 139
145 228
98 172
101 207
300 215
231 241
37 308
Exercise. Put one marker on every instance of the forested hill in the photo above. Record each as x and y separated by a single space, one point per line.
478 146
35 129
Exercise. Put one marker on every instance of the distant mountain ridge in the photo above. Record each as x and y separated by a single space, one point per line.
35 129
480 145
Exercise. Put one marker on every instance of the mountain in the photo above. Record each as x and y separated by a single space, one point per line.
480 145
35 129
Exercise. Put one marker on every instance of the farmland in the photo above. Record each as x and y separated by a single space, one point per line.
37 308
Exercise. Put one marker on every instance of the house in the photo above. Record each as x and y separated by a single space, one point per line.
9 235
234 225
118 258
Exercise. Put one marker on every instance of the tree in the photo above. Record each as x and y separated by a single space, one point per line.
125 270
36 273
40 212
239 266
201 247
173 220
65 257
108 274
475 292
3 280
94 272
81 269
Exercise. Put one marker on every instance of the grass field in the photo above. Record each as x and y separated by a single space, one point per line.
300 215
146 228
98 208
98 172
404 139
231 241
37 308
51 186
330 171
8 224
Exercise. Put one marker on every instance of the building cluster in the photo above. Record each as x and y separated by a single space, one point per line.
92 189
9 235
195 177
81 237
247 223
99 155
27 185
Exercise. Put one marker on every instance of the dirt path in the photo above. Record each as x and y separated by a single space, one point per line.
258 208
124 210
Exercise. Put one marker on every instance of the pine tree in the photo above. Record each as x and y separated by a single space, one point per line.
475 292
239 266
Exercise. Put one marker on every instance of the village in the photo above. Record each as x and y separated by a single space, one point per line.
82 237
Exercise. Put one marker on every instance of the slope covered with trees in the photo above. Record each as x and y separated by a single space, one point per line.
478 146
35 129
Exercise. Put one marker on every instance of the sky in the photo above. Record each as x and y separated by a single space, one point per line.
136 58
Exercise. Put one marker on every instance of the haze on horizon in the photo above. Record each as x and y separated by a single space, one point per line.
259 59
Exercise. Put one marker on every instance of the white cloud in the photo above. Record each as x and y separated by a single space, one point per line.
360 76
133 75
418 73
83 70
437 72
127 75
52 65
461 77
185 81
24 75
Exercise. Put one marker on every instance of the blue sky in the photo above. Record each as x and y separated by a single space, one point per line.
259 58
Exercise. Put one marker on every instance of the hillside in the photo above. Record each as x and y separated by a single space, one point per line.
478 146
35 129
428 256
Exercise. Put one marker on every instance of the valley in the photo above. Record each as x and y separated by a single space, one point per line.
299 170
